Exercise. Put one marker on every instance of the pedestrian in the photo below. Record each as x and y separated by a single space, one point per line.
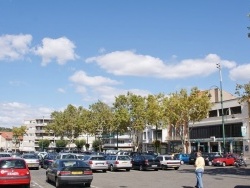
199 169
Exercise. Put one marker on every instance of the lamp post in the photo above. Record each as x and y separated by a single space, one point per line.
222 110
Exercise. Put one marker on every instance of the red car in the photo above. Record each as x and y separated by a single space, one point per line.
225 160
14 171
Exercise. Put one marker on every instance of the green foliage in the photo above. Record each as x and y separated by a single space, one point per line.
97 145
243 91
80 143
43 143
61 143
4 129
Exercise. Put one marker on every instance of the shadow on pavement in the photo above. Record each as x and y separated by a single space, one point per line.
221 171
242 186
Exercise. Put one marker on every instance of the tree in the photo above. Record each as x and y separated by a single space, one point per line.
243 91
61 143
97 145
155 115
18 133
182 108
80 143
43 143
101 118
137 113
121 115
66 123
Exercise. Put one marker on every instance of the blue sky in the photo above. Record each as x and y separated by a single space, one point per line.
55 53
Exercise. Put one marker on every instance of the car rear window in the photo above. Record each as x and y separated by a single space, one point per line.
98 158
123 158
73 163
149 157
30 157
12 163
5 155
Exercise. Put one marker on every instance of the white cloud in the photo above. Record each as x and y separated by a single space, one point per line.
99 87
131 64
14 113
240 73
80 77
61 90
14 47
61 50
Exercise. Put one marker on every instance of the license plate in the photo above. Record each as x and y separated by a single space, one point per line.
76 173
154 165
99 163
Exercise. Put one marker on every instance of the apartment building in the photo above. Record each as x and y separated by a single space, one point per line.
35 132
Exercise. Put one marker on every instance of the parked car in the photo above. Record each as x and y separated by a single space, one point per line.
79 156
32 160
184 158
210 157
16 154
5 154
48 159
167 161
225 160
192 158
116 162
66 156
14 171
69 171
96 162
145 162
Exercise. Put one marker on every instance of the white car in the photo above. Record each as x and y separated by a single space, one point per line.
96 162
167 161
116 162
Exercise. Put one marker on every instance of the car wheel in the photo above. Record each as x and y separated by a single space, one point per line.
26 186
163 167
47 179
112 168
156 169
223 164
87 184
104 170
57 184
141 168
127 170
37 168
176 168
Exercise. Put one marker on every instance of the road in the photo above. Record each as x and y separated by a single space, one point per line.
222 177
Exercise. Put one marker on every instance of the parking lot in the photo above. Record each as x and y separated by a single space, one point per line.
222 177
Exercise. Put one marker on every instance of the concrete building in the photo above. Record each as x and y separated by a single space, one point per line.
35 132
207 135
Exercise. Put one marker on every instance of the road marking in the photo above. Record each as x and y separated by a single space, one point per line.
35 184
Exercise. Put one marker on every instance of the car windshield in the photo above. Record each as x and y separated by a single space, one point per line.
12 163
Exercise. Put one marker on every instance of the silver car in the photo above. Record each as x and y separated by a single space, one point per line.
116 162
96 162
32 160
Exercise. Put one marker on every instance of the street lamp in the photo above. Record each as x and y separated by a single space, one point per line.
222 110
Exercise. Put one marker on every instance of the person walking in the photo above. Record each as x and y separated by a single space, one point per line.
199 169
